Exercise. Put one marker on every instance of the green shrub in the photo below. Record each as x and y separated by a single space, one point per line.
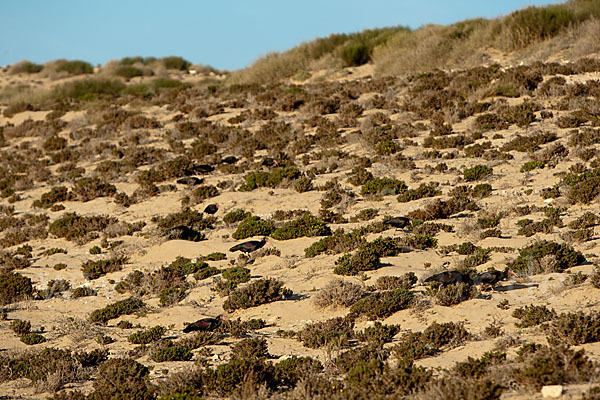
174 62
251 348
289 371
89 89
256 293
383 186
532 315
381 304
253 226
352 264
236 216
128 71
171 295
575 328
587 220
14 287
424 190
339 242
476 173
564 256
87 189
387 147
355 54
83 291
335 332
556 365
172 353
147 336
531 165
75 227
20 327
451 295
115 310
121 378
95 269
191 218
378 333
416 345
272 179
237 275
55 195
216 256
32 338
26 67
75 67
307 225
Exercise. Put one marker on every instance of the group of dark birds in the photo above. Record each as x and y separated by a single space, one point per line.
486 278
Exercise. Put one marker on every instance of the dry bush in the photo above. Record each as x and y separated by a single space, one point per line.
339 293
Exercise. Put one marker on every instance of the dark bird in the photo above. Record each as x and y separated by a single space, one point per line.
449 278
494 276
190 180
203 168
211 209
229 160
397 222
270 162
206 324
250 246
182 232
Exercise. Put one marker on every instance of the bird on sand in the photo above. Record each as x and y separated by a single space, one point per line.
203 168
494 276
229 160
211 209
250 246
190 180
270 162
397 222
206 324
449 278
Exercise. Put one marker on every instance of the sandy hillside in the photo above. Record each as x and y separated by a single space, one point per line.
505 159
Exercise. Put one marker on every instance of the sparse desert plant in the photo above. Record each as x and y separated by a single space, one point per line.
451 295
378 333
339 293
382 187
531 258
381 304
574 328
396 282
335 332
20 327
95 269
543 365
416 345
532 315
337 243
424 190
83 291
147 336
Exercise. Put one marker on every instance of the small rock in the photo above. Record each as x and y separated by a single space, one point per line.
552 391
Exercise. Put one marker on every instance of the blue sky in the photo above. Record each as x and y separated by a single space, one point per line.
226 34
